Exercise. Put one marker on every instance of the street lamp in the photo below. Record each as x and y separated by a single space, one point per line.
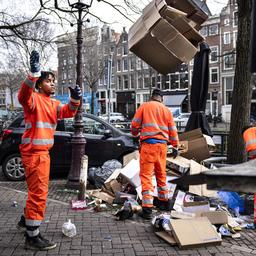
78 140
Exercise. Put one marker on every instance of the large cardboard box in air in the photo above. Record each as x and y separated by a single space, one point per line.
198 145
163 37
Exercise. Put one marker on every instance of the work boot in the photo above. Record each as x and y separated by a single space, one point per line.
146 213
21 225
38 243
163 205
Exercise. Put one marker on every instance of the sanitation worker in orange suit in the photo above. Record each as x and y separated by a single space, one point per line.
154 123
41 113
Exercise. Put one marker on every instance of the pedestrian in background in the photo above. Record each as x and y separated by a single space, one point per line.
41 113
155 125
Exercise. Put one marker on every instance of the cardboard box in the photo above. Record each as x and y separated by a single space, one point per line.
178 164
127 158
194 232
153 33
200 190
193 207
194 11
197 145
215 217
131 172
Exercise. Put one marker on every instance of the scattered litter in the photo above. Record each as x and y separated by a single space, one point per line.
78 204
108 238
69 229
14 204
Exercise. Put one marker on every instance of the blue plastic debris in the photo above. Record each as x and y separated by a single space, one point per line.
233 200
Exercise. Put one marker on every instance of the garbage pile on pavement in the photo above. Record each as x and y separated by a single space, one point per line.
195 216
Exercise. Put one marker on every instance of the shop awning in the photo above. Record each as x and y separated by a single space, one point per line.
174 100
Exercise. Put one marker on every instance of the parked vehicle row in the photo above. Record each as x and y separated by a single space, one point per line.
113 117
103 142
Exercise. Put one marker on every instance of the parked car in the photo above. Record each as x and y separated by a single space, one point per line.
114 117
182 119
103 142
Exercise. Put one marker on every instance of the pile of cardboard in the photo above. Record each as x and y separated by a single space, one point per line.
166 34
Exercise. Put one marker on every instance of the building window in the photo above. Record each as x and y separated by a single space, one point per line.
214 75
118 65
64 75
153 81
125 64
204 31
140 82
144 65
235 19
214 54
159 81
184 80
190 76
125 82
125 49
175 82
64 62
132 63
132 81
119 50
138 98
146 81
226 22
234 38
146 97
229 82
138 64
213 30
119 83
229 61
226 38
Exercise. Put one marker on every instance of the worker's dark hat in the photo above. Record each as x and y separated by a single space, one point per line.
157 92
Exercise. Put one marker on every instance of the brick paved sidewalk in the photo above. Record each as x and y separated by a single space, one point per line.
97 233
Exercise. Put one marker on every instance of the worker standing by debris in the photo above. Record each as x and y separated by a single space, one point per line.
249 135
41 113
154 123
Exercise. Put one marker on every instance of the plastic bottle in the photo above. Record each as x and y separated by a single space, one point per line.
69 229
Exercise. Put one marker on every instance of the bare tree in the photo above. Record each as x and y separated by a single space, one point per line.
241 97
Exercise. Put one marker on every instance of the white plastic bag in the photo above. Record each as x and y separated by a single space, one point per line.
69 229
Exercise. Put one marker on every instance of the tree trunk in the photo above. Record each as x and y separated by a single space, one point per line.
241 98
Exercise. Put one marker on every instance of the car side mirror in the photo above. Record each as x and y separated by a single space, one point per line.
108 133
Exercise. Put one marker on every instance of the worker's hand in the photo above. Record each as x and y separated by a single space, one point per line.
172 151
75 92
34 64
136 140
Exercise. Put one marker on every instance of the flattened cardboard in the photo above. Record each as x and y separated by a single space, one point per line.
183 215
166 236
104 197
194 207
190 233
151 33
215 217
178 164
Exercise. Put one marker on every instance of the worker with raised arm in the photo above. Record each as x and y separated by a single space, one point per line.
41 113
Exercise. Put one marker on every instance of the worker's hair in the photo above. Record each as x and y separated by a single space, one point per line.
44 75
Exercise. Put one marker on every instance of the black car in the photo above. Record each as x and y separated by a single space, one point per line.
103 142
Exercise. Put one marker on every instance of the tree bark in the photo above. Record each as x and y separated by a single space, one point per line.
241 98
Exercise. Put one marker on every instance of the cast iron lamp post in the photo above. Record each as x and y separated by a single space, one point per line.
78 140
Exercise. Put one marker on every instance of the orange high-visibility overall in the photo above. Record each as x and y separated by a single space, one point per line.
154 121
41 113
250 142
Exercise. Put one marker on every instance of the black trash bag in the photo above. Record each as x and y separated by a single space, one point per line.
101 174
91 173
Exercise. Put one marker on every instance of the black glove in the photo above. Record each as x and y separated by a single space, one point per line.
34 62
75 92
136 140
175 152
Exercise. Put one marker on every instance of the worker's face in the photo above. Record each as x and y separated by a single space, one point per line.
48 86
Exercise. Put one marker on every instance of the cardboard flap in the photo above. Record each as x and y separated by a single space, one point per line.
166 236
172 40
191 135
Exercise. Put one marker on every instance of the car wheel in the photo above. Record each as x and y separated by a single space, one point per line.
13 168
117 120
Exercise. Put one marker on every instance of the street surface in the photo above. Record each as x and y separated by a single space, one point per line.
97 233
